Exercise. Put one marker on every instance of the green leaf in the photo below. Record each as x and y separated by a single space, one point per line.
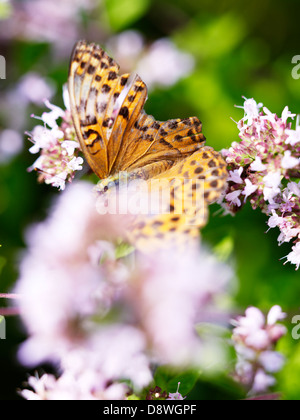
224 249
123 13
133 397
167 379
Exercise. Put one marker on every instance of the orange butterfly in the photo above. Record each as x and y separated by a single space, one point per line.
117 135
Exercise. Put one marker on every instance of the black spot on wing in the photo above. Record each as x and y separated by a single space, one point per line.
124 111
112 75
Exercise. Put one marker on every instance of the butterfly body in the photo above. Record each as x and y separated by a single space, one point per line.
116 135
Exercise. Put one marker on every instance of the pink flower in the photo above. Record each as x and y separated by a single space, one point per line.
101 318
11 143
249 189
261 165
42 20
72 388
59 147
176 395
233 198
169 307
254 339
72 285
173 64
235 176
33 88
262 382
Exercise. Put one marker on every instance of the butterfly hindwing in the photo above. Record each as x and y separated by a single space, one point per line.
173 141
188 187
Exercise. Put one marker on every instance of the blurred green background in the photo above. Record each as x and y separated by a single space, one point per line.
239 48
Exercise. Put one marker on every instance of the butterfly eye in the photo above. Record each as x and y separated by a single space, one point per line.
105 189
111 185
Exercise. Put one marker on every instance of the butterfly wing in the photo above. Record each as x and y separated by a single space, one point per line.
114 132
188 188
91 87
117 135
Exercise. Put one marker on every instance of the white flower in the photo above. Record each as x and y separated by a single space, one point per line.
76 164
249 189
257 165
235 176
58 161
251 328
58 181
253 321
262 382
258 339
270 193
70 146
269 116
287 233
50 118
85 386
254 342
293 136
164 296
252 110
42 137
288 161
272 182
287 114
275 315
233 198
294 256
275 220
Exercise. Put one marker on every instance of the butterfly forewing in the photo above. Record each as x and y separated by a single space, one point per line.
93 82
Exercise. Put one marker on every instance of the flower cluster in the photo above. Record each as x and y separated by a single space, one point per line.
105 316
254 340
58 147
264 169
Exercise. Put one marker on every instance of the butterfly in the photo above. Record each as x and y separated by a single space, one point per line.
116 135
